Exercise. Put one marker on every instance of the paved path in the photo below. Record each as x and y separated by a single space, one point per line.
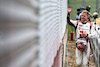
70 56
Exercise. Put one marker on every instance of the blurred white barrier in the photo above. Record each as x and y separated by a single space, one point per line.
53 17
31 32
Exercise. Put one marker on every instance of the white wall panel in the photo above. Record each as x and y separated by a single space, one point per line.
53 15
31 32
19 40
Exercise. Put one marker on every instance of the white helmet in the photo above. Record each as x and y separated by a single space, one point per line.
95 14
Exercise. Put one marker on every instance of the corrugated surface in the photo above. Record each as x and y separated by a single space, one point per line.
31 32
53 21
18 33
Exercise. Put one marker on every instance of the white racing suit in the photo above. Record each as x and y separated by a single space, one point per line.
82 57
